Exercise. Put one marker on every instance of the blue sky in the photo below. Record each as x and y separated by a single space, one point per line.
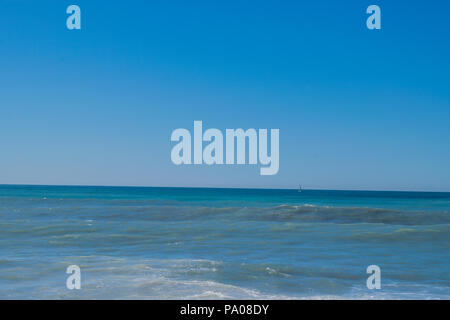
356 109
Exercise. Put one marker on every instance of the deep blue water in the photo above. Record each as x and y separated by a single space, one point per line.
181 243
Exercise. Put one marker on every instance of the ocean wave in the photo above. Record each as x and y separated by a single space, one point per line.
117 278
145 211
305 213
438 234
313 213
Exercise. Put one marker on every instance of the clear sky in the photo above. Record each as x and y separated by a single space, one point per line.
356 109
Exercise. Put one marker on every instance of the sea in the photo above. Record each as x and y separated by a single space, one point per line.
204 243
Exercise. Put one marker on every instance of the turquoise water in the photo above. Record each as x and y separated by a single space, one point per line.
180 243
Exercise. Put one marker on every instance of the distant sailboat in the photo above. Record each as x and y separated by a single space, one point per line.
299 188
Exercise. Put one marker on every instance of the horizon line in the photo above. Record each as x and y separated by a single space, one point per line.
180 187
